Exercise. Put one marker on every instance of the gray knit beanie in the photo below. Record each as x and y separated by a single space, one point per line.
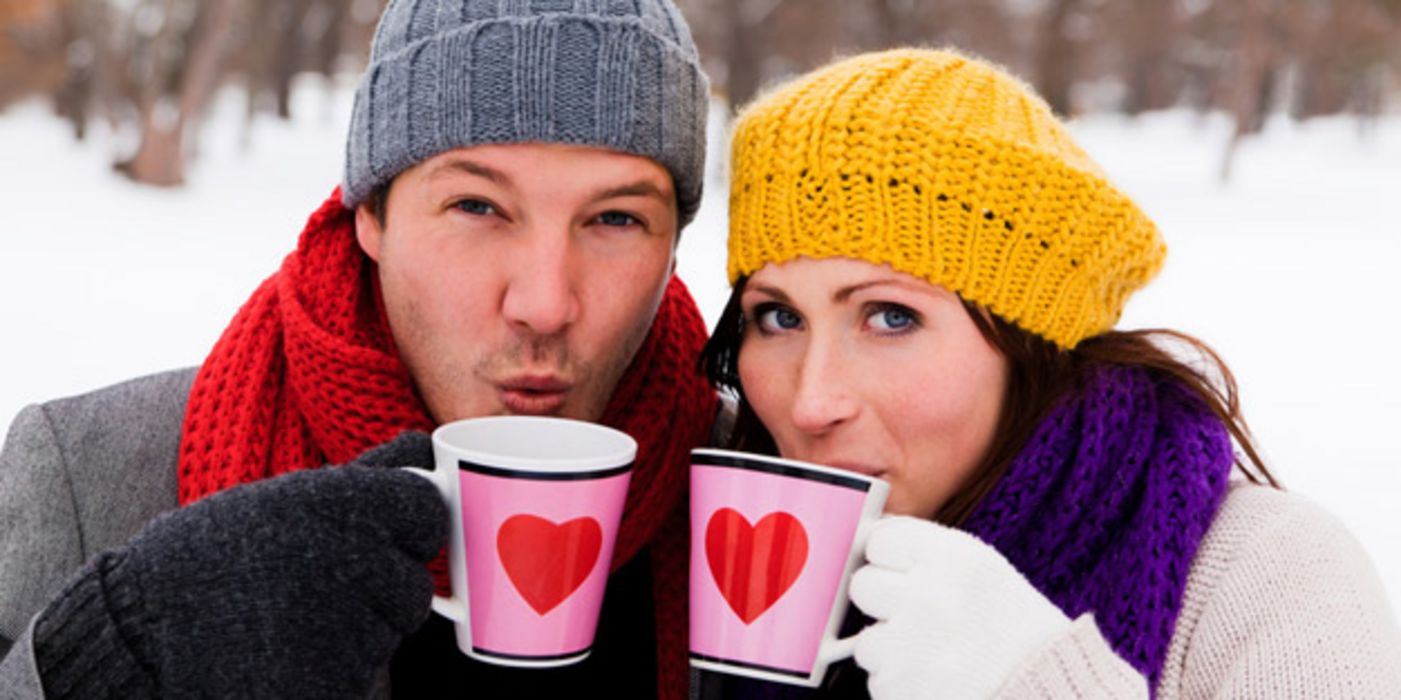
617 74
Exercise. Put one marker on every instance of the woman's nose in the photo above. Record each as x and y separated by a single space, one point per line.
824 398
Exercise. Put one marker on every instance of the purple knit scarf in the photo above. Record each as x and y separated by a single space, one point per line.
1104 508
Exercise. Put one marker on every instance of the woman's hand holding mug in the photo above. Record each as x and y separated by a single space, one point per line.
951 613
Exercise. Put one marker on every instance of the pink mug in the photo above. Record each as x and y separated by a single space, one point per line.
535 504
773 544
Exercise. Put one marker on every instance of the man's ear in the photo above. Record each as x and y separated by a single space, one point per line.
368 230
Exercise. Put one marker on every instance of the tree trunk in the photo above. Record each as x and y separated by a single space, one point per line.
1151 30
160 159
1250 96
743 54
74 95
898 22
328 46
287 52
1056 58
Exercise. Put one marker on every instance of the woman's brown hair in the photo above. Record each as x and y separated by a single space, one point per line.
1040 374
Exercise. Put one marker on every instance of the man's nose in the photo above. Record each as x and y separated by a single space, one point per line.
824 398
541 296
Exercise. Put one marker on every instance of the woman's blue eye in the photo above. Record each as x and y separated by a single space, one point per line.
617 218
892 318
776 318
476 207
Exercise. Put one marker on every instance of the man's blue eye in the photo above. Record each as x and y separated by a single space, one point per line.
616 218
476 207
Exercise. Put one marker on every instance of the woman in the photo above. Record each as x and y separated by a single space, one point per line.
926 274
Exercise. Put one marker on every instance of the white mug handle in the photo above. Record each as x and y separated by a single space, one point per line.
451 607
837 648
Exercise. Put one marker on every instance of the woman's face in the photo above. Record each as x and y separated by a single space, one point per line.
856 366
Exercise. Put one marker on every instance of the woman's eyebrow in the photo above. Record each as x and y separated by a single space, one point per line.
841 295
774 292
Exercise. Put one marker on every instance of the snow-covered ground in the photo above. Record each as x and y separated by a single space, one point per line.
1289 270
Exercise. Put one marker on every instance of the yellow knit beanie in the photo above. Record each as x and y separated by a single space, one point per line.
946 168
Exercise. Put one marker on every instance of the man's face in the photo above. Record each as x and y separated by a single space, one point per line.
522 278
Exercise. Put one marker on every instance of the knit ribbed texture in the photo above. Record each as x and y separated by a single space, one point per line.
90 643
306 375
1074 666
1104 508
451 73
1283 603
945 168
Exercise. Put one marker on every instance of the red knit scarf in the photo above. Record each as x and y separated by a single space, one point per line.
306 375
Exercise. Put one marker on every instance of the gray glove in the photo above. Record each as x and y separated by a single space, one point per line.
297 586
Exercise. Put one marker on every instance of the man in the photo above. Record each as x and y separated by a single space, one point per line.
516 178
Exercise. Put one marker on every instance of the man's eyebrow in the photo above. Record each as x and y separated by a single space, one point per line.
470 167
641 188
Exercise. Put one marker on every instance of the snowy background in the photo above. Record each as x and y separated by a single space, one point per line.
1291 270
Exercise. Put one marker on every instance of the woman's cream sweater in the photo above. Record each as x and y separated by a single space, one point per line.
1281 602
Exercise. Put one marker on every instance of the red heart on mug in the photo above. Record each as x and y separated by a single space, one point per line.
754 565
547 562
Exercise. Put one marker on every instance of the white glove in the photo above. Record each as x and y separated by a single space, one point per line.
953 617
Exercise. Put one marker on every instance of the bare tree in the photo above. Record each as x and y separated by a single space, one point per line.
1147 35
84 41
153 65
29 59
1255 64
1056 55
167 118
1341 56
900 22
